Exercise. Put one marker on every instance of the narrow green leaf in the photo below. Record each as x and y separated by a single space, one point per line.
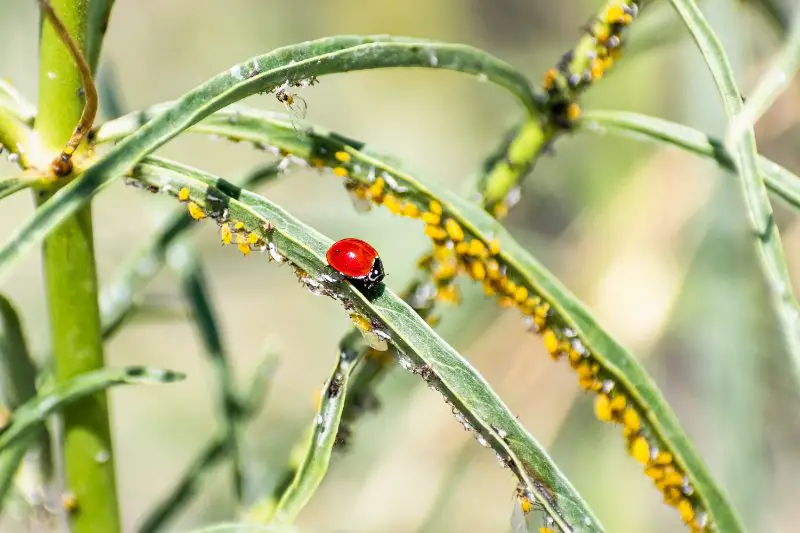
780 181
322 439
297 65
33 413
766 236
773 82
422 351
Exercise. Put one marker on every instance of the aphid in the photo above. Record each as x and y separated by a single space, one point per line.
357 261
295 104
522 520
70 502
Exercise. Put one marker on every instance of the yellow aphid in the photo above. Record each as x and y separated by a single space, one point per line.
543 309
618 403
573 112
341 172
435 207
550 341
550 78
361 322
239 226
509 286
442 253
632 423
225 233
196 212
375 190
454 229
596 68
462 248
614 14
505 302
183 194
477 248
602 408
448 294
663 458
545 530
436 233
500 210
686 510
492 269
391 203
672 479
601 34
244 248
673 496
521 294
253 238
444 271
410 210
431 218
70 502
488 289
494 247
477 271
640 449
344 157
654 472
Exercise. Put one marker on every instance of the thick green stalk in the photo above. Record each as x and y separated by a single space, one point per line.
71 284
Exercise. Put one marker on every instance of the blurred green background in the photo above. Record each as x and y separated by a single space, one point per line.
652 239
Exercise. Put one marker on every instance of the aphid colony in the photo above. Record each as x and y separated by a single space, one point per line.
233 232
455 252
588 62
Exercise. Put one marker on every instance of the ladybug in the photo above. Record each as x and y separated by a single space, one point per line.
357 261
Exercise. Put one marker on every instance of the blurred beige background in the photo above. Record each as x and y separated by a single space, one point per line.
651 239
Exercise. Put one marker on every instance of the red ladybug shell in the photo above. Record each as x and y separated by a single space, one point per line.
353 258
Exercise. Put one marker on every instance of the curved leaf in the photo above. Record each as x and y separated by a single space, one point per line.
766 236
422 352
32 413
322 439
778 179
296 65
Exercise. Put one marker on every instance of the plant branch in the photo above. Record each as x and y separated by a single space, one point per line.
71 279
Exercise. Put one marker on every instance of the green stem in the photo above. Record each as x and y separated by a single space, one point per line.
71 284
